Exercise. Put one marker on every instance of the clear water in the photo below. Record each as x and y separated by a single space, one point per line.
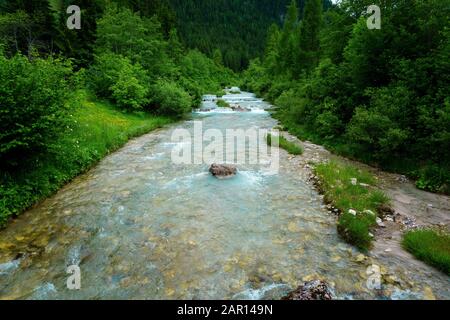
141 227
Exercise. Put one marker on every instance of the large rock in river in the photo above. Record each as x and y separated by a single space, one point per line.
222 171
312 290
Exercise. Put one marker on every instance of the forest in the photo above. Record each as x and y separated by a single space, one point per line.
354 96
377 95
126 63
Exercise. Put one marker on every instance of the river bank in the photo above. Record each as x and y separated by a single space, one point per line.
95 130
412 208
142 227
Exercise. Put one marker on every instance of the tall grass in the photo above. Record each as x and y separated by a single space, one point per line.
430 246
290 147
97 128
335 180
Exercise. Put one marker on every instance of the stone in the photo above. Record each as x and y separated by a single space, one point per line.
380 223
312 290
354 181
369 212
222 171
352 212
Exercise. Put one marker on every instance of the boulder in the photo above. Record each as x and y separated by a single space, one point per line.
311 290
222 171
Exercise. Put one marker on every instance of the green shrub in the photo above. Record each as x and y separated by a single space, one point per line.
129 93
222 103
97 128
430 246
170 99
32 106
115 78
434 178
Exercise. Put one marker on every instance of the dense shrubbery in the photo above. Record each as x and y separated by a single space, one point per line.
376 95
32 106
170 99
47 134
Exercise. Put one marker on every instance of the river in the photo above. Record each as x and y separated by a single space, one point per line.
141 227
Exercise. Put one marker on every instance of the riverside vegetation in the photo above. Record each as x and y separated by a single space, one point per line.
378 96
68 98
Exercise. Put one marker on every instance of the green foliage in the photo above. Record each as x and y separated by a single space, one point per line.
236 27
222 103
430 246
374 95
336 184
32 106
285 144
170 99
95 129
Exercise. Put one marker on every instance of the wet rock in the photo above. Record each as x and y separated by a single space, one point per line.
385 210
312 290
380 223
240 109
222 171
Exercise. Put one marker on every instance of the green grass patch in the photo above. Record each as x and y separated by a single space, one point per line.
222 103
430 246
290 147
335 180
97 128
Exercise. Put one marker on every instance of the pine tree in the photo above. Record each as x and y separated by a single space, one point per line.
217 57
287 46
310 35
271 54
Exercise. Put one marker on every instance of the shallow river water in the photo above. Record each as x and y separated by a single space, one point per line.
141 227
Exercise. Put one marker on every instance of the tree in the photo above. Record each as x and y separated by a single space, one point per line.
287 45
310 36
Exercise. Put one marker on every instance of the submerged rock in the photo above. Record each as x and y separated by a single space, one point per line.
222 171
312 290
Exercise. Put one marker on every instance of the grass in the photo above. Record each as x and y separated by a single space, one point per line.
430 246
335 179
428 176
222 103
290 147
97 129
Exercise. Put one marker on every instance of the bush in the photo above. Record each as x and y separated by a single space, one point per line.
129 93
430 246
222 103
115 78
170 99
32 106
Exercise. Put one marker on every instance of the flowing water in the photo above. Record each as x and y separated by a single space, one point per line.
141 227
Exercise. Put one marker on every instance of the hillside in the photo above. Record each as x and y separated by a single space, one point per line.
237 27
